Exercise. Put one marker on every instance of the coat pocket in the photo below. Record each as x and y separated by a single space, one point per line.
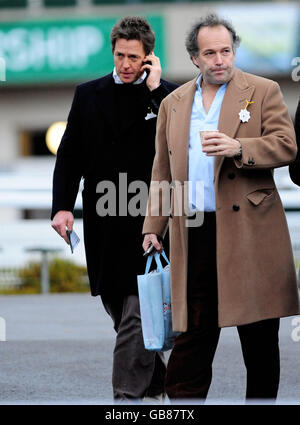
258 196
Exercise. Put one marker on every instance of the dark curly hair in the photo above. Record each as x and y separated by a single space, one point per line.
133 28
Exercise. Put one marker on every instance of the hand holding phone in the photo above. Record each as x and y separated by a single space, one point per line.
149 250
61 221
73 239
151 244
153 68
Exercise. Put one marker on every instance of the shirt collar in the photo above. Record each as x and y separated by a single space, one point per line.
119 81
198 82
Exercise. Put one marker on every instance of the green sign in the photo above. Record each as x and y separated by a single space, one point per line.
62 50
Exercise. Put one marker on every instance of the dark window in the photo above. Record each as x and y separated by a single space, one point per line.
13 3
33 143
59 3
44 214
97 2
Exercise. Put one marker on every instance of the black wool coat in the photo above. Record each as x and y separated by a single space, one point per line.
294 168
106 136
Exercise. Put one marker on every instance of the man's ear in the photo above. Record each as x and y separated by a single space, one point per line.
194 59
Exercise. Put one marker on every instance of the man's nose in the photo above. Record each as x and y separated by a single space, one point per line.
126 63
218 59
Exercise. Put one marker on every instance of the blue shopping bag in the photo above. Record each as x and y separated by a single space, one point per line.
155 305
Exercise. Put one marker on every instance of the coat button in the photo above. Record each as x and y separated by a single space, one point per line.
231 176
170 152
235 207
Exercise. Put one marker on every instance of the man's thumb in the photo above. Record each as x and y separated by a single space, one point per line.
70 225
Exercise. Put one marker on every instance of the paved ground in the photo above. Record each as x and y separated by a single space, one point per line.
58 350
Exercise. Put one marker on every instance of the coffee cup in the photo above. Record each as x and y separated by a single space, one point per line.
204 132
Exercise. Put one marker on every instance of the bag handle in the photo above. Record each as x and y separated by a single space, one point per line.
165 257
157 259
148 263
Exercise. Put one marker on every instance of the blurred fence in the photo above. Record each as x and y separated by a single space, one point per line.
9 278
23 245
62 276
12 278
18 238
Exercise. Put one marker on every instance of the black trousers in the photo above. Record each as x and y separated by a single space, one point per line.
189 370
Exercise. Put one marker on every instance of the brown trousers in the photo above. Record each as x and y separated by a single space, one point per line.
189 370
137 372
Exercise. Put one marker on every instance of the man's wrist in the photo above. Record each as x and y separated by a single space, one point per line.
240 153
154 86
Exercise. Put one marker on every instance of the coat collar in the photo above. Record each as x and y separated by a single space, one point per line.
186 90
104 82
181 110
236 86
238 91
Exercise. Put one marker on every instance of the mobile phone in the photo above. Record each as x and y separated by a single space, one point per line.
73 239
147 63
149 250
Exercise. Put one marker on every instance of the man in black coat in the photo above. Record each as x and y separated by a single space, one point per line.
109 141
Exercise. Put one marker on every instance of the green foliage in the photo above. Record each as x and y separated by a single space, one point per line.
65 276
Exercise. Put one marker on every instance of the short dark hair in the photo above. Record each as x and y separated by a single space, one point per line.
134 28
210 20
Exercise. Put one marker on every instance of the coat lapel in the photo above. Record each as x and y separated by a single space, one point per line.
181 117
105 103
237 92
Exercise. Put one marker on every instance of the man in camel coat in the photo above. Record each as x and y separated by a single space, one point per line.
237 268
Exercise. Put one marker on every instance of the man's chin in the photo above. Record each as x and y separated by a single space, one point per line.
130 78
127 80
221 79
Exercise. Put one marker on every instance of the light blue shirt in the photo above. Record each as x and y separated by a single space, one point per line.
201 167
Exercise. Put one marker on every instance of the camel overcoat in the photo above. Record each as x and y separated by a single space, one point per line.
255 265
